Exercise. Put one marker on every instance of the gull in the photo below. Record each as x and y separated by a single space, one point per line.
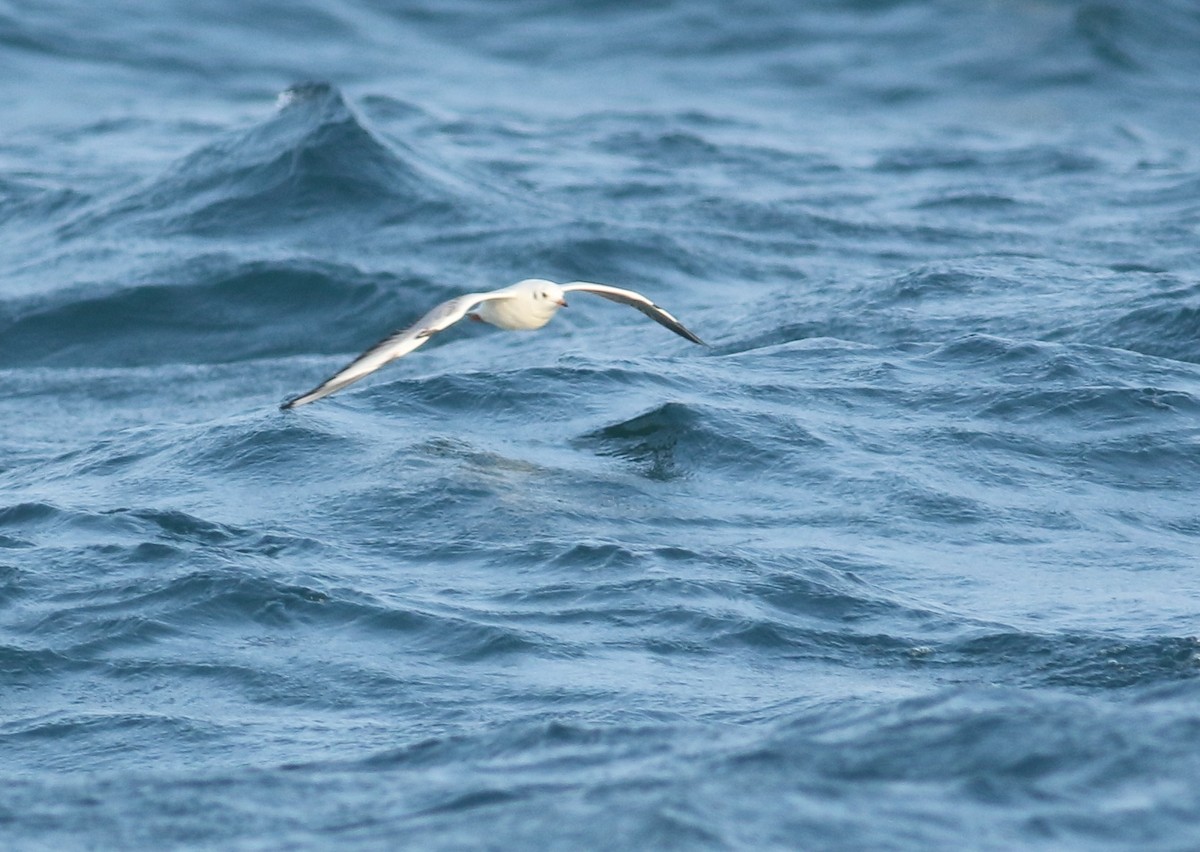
524 306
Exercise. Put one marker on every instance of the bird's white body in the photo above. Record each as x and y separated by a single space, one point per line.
533 303
524 306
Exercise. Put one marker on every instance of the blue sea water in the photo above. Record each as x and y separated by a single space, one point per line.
906 559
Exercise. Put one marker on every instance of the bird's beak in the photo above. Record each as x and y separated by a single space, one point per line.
562 303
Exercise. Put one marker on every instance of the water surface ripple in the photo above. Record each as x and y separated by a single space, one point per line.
904 560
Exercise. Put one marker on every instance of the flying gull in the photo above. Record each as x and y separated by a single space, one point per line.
525 306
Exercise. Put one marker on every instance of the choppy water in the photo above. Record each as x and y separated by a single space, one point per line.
907 559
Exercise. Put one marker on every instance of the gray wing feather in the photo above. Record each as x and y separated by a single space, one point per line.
395 346
636 300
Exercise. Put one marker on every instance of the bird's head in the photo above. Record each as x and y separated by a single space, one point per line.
547 296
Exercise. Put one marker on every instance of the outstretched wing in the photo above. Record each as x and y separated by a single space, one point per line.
397 345
636 300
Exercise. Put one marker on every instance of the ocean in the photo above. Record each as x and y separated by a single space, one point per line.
904 559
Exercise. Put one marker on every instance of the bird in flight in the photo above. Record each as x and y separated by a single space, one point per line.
524 306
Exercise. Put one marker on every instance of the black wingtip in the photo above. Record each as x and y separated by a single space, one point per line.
686 334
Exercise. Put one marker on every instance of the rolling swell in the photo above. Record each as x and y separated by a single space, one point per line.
313 166
313 160
677 440
211 312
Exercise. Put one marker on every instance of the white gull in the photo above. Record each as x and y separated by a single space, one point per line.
524 306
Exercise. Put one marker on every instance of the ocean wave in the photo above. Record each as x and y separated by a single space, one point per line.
34 201
1031 162
678 440
1080 662
1008 746
214 310
314 165
44 523
1165 324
